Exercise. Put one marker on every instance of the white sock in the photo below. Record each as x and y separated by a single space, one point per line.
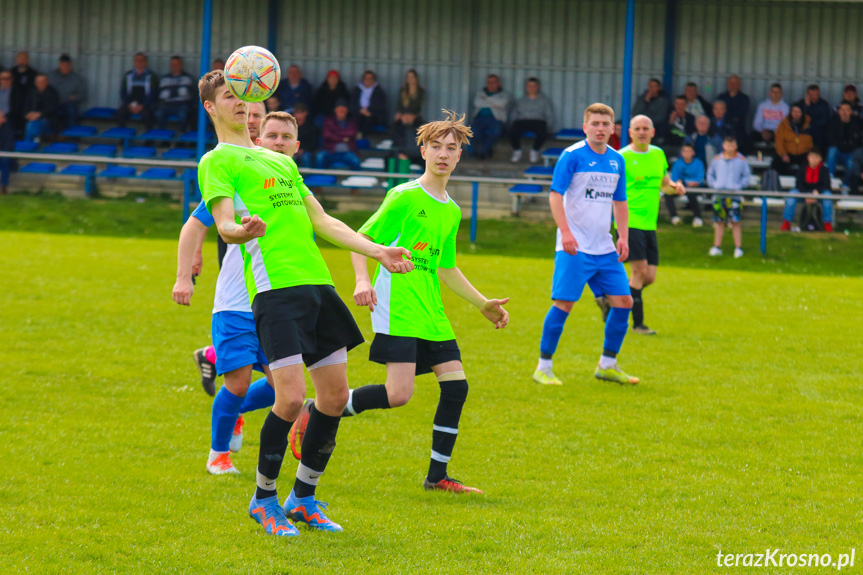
606 362
215 454
544 364
264 482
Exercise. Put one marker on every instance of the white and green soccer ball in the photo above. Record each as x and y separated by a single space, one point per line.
252 73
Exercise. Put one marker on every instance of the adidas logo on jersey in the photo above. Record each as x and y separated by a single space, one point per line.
422 214
249 158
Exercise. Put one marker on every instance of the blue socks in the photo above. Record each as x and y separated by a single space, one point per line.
615 330
259 396
552 329
226 409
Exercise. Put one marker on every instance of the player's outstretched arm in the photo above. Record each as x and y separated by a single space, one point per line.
248 229
675 187
191 236
555 201
395 259
364 293
492 309
621 218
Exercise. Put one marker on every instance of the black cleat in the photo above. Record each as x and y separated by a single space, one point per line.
207 369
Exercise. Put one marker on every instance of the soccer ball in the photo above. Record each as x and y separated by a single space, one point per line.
252 73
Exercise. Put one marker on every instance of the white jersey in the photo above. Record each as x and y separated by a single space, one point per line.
589 182
231 293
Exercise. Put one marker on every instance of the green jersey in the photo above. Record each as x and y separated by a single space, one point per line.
644 174
267 184
410 305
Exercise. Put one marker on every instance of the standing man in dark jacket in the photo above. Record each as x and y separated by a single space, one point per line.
737 107
41 109
819 113
845 136
138 93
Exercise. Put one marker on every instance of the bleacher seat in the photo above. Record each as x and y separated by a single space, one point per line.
192 137
140 152
539 172
61 148
380 129
520 190
360 182
160 135
38 168
119 172
79 132
550 154
363 144
124 134
570 134
79 170
100 113
178 154
109 150
373 164
159 174
319 180
25 146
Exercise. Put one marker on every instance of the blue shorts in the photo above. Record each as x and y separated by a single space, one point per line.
236 342
604 274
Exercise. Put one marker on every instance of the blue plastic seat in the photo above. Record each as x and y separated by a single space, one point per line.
380 129
192 137
38 168
161 135
178 154
160 174
61 148
319 180
79 170
570 134
539 171
119 133
100 113
526 189
119 172
363 144
80 132
109 150
25 146
140 152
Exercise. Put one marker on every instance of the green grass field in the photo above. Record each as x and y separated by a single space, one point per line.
744 435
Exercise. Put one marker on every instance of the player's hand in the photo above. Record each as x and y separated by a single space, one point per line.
493 310
622 250
197 263
364 294
570 246
254 226
680 188
183 291
396 260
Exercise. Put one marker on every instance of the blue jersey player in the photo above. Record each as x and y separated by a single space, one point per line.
589 183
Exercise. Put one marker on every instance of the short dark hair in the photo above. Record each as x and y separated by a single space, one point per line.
813 87
730 139
532 79
680 97
846 103
493 76
817 151
177 57
375 76
655 80
687 145
65 58
301 107
691 85
776 85
140 54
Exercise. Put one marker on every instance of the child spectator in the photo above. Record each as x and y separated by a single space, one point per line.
703 141
689 170
728 171
812 178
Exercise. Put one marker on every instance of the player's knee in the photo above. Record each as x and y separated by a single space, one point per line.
625 302
288 406
399 396
333 401
454 389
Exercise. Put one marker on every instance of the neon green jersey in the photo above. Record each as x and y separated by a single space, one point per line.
410 305
267 184
644 174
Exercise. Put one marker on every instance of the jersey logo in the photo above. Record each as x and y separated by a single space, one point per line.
613 164
422 214
421 246
269 183
249 158
591 164
594 194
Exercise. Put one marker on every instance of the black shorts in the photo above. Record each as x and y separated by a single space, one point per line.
311 320
398 349
643 246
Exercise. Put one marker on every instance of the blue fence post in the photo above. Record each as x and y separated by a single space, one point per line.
763 225
473 214
628 44
670 40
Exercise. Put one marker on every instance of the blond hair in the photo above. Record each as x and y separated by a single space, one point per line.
452 124
599 108
280 116
209 83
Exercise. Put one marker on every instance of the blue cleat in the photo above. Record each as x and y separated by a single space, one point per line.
308 511
270 514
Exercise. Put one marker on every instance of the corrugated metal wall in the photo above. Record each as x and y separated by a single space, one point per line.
575 47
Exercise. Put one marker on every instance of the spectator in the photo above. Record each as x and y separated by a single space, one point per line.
812 178
819 113
340 139
325 98
737 106
218 64
71 88
695 104
654 104
177 92
856 170
138 93
793 141
7 144
850 95
491 112
680 122
307 134
41 109
728 171
845 136
721 125
11 101
369 103
294 89
408 116
273 104
614 139
689 170
533 112
702 140
23 74
769 114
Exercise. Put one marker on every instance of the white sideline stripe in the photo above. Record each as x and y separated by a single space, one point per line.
287 361
453 430
438 457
